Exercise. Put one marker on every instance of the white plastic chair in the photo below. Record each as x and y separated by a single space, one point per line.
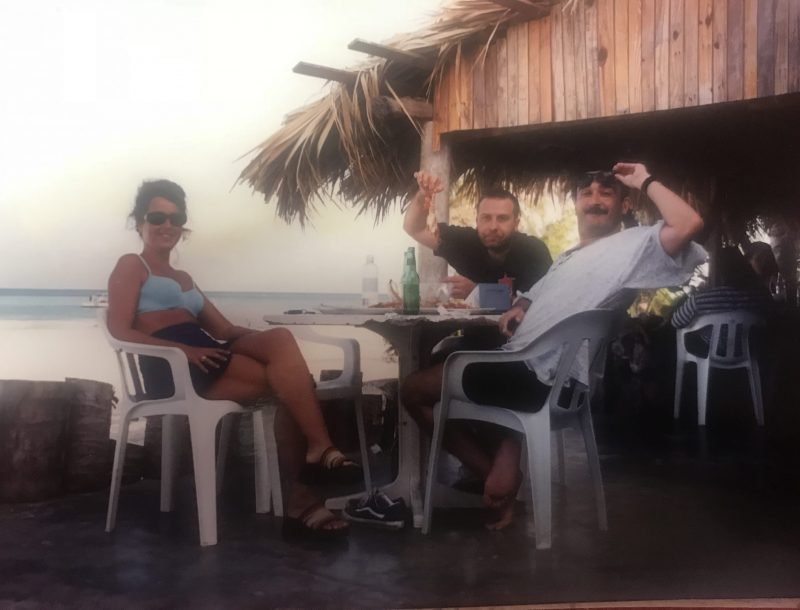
204 415
735 352
591 328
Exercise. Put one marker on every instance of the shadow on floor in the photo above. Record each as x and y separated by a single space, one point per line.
692 515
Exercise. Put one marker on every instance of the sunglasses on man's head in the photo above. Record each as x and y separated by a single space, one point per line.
602 177
176 219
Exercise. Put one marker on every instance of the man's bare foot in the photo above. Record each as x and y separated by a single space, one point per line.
502 484
498 518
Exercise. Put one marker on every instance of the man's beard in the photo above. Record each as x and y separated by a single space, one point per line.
500 248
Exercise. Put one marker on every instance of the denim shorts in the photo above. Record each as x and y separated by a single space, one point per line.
156 373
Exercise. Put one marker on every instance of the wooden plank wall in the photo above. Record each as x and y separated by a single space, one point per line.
612 57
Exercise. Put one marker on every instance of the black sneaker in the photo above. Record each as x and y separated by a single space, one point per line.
377 509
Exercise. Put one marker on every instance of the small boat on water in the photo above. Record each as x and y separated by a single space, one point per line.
96 300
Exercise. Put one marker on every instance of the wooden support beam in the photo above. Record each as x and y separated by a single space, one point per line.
407 106
522 7
433 269
398 55
317 71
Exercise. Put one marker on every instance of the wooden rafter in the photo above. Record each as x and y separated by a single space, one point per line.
522 7
418 109
326 72
392 53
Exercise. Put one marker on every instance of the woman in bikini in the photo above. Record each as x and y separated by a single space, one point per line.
151 302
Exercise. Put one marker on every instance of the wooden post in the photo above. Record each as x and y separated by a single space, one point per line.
34 428
432 268
89 455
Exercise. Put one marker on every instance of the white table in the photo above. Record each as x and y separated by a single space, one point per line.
405 334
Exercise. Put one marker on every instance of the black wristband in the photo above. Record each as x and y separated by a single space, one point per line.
646 183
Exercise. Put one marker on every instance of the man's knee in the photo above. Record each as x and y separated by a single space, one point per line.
422 388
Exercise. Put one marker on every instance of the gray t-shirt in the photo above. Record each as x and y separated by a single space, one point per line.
604 274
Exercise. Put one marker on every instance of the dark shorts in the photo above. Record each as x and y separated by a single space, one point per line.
505 384
156 372
470 338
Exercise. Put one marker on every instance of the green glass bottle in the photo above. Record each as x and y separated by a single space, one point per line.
410 283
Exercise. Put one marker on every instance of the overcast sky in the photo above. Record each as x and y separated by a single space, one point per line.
98 95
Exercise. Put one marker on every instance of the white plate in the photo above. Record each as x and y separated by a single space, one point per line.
379 311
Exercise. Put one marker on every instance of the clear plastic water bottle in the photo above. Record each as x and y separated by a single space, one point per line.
410 283
369 283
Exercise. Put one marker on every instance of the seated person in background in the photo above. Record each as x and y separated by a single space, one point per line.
740 289
762 260
153 303
603 271
492 250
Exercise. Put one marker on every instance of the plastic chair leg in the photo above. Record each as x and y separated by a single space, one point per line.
262 473
433 467
225 432
116 474
679 370
755 390
703 373
593 457
170 451
537 435
267 417
362 442
202 427
562 462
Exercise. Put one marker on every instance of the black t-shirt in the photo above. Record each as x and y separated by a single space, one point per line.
527 260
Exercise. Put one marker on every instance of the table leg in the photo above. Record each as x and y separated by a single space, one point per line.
407 484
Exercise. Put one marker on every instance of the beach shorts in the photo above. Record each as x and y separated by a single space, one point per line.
505 384
156 372
470 338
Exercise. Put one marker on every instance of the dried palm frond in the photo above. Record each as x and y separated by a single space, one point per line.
337 145
342 149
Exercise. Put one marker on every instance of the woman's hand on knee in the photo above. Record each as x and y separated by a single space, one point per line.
206 358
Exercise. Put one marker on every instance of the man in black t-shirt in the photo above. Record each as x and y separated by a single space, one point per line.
492 250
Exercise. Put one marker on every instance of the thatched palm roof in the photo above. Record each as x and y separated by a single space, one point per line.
342 144
739 160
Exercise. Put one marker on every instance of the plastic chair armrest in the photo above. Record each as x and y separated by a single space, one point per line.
457 362
351 352
175 357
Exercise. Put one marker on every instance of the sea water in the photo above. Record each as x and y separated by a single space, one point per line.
240 307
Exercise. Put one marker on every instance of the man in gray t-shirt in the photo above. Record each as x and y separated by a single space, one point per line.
602 271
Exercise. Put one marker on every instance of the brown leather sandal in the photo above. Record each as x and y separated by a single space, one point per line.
311 525
332 468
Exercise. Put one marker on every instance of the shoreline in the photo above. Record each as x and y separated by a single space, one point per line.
52 350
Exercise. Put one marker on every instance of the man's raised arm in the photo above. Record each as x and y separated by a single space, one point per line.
681 221
415 222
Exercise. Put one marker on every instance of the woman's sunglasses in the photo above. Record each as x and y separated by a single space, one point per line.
176 219
603 178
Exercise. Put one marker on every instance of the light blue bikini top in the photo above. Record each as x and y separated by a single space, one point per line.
159 293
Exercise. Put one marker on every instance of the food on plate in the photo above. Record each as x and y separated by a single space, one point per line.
397 301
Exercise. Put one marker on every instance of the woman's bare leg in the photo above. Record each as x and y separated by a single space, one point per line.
284 373
245 380
291 455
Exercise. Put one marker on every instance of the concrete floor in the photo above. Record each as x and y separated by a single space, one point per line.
692 514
